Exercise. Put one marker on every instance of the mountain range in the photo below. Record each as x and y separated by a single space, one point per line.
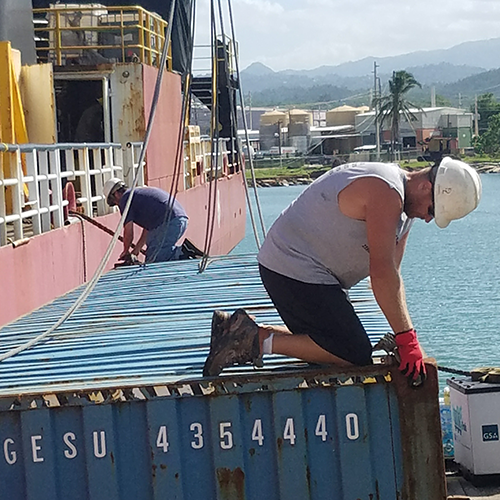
457 74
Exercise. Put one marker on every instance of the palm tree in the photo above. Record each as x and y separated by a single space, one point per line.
394 105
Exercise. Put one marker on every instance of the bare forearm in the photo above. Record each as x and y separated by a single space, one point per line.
128 236
389 292
141 242
400 250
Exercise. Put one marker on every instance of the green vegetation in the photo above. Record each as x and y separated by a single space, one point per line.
394 106
292 95
308 172
488 142
487 107
274 161
482 158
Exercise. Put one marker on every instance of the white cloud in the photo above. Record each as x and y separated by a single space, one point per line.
304 34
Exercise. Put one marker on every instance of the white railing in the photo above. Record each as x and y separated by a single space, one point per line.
198 152
33 192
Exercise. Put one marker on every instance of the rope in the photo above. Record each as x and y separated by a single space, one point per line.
178 159
454 371
214 131
234 121
100 226
100 269
84 249
247 141
215 134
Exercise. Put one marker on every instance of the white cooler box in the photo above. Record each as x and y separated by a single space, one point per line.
475 410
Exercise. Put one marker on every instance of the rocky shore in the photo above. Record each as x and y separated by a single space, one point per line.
486 168
284 181
482 168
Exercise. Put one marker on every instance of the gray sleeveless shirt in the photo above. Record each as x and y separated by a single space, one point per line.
314 242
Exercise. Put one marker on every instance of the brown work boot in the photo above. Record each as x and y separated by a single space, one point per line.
219 320
234 341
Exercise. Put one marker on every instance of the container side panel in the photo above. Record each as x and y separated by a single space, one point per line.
380 433
133 457
100 451
38 453
70 453
12 474
165 444
291 445
197 463
227 447
260 452
397 447
421 438
294 436
322 444
354 443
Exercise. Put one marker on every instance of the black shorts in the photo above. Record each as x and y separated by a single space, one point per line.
323 312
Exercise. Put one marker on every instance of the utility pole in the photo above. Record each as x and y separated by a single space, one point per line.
376 108
476 118
281 152
277 135
250 110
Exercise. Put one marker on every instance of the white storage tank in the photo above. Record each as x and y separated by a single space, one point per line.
343 115
271 127
299 129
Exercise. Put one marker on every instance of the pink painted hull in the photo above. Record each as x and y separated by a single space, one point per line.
56 262
230 218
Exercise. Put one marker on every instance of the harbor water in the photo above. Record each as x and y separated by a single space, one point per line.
452 278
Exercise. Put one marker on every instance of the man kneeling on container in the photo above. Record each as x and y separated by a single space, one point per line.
162 219
351 223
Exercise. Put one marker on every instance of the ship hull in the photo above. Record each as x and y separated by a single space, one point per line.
53 263
58 260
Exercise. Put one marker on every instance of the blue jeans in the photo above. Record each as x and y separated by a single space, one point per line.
162 239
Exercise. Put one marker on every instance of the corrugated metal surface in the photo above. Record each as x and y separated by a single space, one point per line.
156 430
143 325
293 435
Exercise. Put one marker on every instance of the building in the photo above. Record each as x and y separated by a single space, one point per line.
334 140
453 124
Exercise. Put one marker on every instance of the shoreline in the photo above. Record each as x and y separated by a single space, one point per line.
296 180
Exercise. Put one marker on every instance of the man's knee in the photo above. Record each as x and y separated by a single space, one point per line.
361 353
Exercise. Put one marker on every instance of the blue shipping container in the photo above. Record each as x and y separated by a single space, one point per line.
299 434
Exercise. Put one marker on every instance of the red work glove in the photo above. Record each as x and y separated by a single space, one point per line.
412 362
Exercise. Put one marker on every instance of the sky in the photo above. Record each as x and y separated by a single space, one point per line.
306 34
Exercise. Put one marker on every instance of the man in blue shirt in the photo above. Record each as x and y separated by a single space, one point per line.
161 217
